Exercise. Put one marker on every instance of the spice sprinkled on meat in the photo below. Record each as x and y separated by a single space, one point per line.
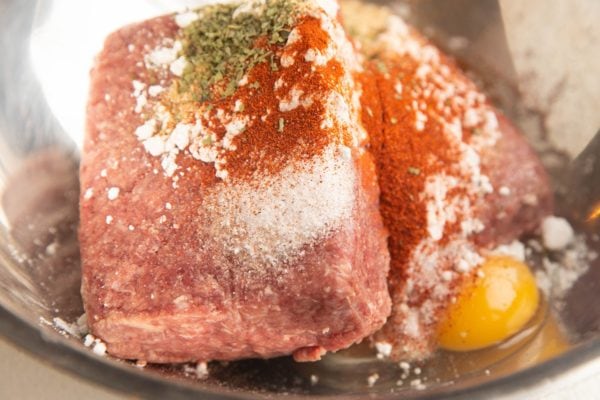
443 153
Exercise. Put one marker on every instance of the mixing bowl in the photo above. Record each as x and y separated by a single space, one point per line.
46 50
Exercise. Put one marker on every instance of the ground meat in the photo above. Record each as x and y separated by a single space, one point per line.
523 195
163 280
456 179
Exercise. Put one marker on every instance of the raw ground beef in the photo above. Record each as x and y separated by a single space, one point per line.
163 282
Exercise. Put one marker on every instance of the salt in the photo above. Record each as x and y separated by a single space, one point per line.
178 66
372 379
201 370
504 191
515 249
113 193
383 348
251 219
186 18
557 233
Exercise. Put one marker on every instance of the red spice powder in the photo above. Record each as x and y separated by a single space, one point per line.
274 138
404 156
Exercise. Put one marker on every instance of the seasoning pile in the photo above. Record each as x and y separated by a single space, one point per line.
245 162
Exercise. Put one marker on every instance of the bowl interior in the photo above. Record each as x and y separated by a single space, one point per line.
41 110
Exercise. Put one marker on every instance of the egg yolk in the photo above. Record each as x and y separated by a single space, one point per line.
498 304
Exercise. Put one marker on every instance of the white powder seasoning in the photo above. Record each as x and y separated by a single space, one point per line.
113 193
97 345
372 380
561 269
304 202
557 233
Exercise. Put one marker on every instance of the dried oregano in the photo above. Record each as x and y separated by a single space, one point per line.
223 44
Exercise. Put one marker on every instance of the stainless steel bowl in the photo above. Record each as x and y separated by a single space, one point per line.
45 50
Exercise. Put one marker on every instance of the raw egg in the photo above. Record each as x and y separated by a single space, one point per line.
495 306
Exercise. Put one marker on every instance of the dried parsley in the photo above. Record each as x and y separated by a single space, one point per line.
222 45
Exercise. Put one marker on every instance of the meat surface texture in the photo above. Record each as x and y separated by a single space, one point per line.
253 243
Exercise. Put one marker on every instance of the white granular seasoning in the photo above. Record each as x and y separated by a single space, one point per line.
304 202
398 88
557 233
140 103
71 329
179 137
88 340
439 210
82 324
164 56
185 19
286 60
320 58
97 345
504 191
155 90
447 276
558 275
51 248
203 140
515 249
530 199
146 130
372 379
88 193
383 348
232 129
109 219
113 193
292 101
178 66
202 370
331 7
